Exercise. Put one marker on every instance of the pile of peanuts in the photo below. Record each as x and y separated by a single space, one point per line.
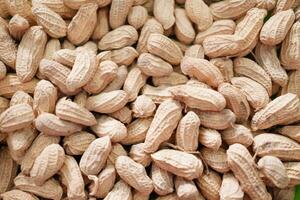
149 99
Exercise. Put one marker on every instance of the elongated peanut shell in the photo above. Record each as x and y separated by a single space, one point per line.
52 22
134 174
107 102
71 111
16 117
83 23
51 124
282 109
95 156
72 178
164 122
179 163
30 53
47 163
280 146
242 165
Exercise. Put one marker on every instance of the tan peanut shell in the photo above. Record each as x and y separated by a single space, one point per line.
210 138
120 37
56 73
20 97
21 7
120 191
116 151
199 98
292 169
195 51
111 127
137 16
8 169
282 109
81 98
276 145
72 178
242 165
40 142
162 180
231 8
255 93
71 111
209 185
143 107
248 68
236 101
19 141
102 25
118 12
134 174
274 171
94 157
174 78
65 57
57 6
157 94
188 131
225 26
17 26
283 5
82 71
47 163
216 120
51 189
119 80
186 189
217 160
163 11
51 124
83 23
230 188
199 13
202 70
124 115
52 23
11 84
45 96
267 58
124 56
4 104
165 48
78 142
291 131
266 4
151 26
136 131
8 47
103 183
276 28
289 56
164 122
237 134
17 195
134 81
184 30
16 117
225 66
241 41
179 163
152 65
107 102
138 154
30 53
52 46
